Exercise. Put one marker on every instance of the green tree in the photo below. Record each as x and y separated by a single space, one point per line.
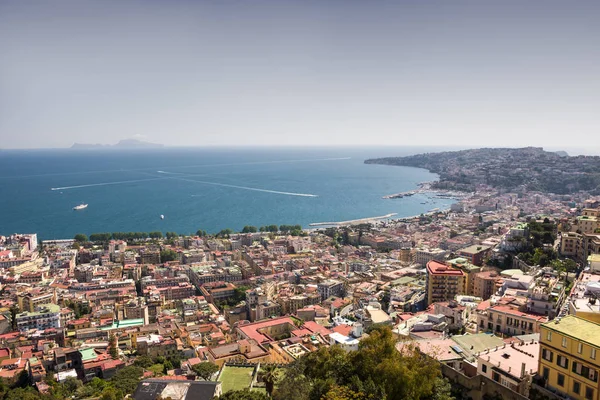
143 361
224 233
113 349
125 380
269 375
167 255
201 233
14 310
249 229
205 370
243 395
81 238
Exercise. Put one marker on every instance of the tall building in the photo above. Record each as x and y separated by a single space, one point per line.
570 357
444 282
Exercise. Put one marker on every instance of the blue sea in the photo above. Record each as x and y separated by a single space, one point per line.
200 188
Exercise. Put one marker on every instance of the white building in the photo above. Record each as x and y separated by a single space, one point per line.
345 342
45 316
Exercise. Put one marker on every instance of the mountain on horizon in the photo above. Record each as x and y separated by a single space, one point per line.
122 144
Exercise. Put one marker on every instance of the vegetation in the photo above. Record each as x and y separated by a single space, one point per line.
243 395
205 370
81 238
268 374
377 371
79 309
129 236
167 255
123 383
113 347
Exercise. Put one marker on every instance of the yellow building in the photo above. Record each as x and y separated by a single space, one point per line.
444 282
570 357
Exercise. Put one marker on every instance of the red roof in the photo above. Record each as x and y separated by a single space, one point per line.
251 330
438 268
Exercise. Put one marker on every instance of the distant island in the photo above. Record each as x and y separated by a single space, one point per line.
520 169
123 144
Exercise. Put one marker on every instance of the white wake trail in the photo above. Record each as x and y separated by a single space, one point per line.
248 188
104 184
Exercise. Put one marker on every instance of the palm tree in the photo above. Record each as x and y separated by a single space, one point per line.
269 376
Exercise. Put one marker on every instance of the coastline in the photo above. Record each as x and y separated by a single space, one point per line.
425 188
353 221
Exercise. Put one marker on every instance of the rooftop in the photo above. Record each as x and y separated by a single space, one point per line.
475 249
578 328
438 268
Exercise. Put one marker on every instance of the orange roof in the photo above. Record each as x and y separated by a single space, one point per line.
438 268
251 330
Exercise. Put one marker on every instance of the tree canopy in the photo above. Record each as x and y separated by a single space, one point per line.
376 371
205 370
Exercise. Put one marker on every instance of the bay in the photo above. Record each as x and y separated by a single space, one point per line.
201 188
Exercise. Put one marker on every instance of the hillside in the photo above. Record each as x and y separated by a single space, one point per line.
529 168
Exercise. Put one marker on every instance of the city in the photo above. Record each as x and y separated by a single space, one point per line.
501 290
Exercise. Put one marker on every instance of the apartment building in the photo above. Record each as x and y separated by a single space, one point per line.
444 282
476 254
44 317
29 301
330 288
569 357
423 256
508 320
486 283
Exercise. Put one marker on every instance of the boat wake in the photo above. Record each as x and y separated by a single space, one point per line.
104 184
247 188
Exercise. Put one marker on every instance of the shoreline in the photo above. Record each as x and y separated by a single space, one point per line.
425 188
352 221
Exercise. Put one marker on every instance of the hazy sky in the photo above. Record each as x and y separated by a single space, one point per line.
280 72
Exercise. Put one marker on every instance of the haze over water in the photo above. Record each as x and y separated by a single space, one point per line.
209 189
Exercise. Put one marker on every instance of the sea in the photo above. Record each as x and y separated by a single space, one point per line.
202 188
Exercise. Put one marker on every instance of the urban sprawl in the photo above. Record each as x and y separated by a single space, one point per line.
502 290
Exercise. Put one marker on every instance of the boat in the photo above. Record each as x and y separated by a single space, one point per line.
162 216
80 207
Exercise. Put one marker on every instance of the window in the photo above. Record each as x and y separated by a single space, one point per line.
549 336
576 387
593 354
562 361
585 371
589 393
546 373
580 348
484 368
547 355
561 380
564 342
496 376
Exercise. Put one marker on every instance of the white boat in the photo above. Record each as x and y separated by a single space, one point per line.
162 216
80 207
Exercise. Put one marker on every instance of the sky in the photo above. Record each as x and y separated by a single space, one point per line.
312 73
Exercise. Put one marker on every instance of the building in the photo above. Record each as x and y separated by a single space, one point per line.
486 283
512 366
423 256
589 222
347 343
569 362
151 389
508 320
217 291
476 254
330 288
44 317
470 271
29 301
444 282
